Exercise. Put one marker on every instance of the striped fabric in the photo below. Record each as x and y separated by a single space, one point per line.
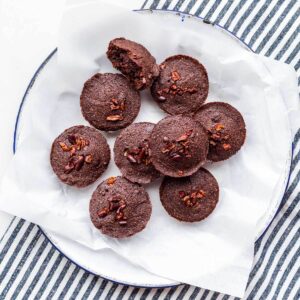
31 268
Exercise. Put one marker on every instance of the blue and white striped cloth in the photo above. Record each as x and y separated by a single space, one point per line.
31 268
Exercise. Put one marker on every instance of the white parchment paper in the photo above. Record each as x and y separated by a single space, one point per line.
215 254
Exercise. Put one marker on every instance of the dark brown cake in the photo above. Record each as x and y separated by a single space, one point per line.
79 155
132 154
226 128
178 146
182 85
108 102
190 199
120 208
134 61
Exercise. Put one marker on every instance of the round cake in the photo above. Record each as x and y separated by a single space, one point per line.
178 146
190 199
79 155
134 61
120 208
226 129
132 154
108 102
182 85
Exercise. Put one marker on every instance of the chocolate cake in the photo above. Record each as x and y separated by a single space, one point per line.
226 129
182 85
108 102
178 146
120 208
190 199
134 61
132 154
79 155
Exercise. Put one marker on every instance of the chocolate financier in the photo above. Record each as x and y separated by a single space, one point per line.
226 128
120 208
182 85
108 102
134 61
190 199
79 155
178 146
132 154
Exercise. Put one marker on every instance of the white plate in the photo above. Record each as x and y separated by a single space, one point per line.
101 265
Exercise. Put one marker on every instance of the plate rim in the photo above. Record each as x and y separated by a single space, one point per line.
16 130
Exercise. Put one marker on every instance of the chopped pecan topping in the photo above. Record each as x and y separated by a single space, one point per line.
176 90
69 167
73 150
116 204
178 148
226 147
88 159
219 127
79 162
77 143
103 212
217 135
111 180
64 147
115 106
140 154
175 76
114 118
192 198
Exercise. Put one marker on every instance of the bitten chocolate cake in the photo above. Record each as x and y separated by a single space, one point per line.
134 61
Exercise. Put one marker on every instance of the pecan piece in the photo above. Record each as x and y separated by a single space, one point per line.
131 158
201 194
79 162
88 159
226 147
69 167
182 138
119 216
103 212
123 222
111 180
64 147
114 118
219 127
175 76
